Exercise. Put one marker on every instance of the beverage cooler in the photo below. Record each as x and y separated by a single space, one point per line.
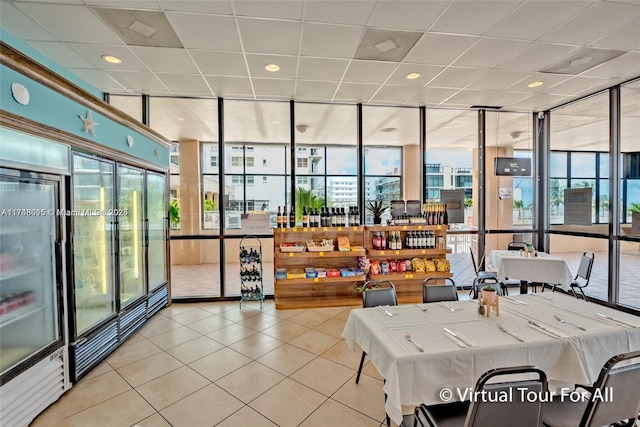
32 339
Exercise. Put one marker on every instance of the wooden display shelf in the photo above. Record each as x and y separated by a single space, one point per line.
321 280
327 292
347 229
410 276
325 254
408 227
406 253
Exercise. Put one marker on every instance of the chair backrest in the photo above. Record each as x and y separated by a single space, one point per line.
435 293
616 395
501 404
386 295
586 264
516 246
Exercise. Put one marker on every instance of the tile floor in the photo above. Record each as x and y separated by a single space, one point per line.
212 364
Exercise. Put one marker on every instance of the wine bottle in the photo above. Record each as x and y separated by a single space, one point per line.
292 217
305 217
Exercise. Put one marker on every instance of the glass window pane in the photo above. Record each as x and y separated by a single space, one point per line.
509 199
583 165
558 166
195 268
581 131
382 161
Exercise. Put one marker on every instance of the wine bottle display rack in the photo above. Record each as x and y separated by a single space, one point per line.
251 274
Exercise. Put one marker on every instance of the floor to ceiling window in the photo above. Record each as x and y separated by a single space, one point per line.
629 243
579 186
326 156
256 179
193 209
509 202
391 139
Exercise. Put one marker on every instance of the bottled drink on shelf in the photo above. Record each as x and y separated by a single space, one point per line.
278 218
292 217
305 217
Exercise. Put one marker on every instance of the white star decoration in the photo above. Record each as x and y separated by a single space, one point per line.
88 124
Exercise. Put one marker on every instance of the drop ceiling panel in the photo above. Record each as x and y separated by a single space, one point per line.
594 23
138 82
287 66
271 87
342 12
355 92
220 63
490 53
537 56
626 37
469 97
472 17
22 26
427 72
368 71
228 86
533 19
126 4
165 60
439 49
406 15
267 36
623 67
311 89
498 79
575 86
279 9
506 98
71 23
539 102
433 95
205 31
219 7
321 68
98 78
458 77
93 53
183 83
331 41
548 80
64 55
395 94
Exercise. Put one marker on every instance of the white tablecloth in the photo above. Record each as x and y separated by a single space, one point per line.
413 377
542 269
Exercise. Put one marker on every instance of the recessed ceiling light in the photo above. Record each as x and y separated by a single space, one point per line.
180 119
413 76
112 59
535 84
388 130
272 68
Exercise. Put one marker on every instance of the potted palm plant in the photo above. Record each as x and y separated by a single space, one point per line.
377 208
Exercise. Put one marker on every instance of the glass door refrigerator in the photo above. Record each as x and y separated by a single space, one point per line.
94 323
32 339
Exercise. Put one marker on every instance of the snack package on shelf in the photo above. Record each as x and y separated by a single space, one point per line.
343 244
430 266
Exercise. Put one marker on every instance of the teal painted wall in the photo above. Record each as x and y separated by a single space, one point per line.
52 109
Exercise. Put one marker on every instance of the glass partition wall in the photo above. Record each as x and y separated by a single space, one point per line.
266 155
579 187
629 244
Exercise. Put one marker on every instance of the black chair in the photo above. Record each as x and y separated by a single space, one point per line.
482 277
583 275
615 398
372 297
483 412
516 246
435 293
